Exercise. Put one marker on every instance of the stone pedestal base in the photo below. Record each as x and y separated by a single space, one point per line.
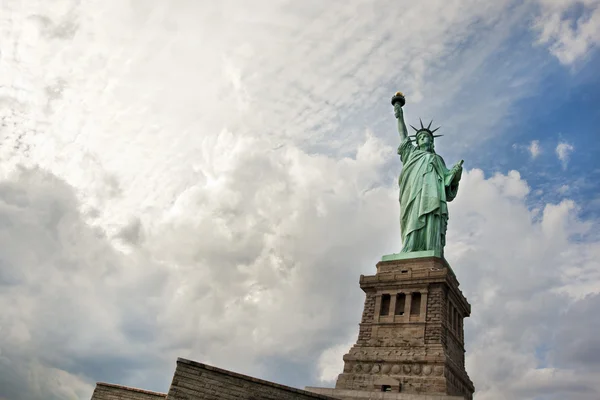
345 394
410 339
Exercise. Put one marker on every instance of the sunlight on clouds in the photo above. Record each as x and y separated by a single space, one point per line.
261 73
555 219
331 364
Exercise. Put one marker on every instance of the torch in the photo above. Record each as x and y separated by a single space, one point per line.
398 98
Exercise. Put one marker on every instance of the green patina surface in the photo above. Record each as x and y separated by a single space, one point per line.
426 186
414 254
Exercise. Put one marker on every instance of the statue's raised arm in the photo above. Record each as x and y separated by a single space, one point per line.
426 186
398 101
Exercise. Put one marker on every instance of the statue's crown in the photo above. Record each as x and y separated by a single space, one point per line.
424 129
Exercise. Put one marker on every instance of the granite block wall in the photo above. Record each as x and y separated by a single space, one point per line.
107 391
196 381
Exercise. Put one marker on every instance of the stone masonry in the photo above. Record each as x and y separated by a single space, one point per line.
411 334
107 391
195 381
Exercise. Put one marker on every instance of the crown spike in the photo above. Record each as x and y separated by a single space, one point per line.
414 128
429 126
421 123
435 128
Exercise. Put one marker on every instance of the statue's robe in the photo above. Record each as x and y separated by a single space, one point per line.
426 185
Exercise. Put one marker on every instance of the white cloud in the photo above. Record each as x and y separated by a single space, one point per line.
241 270
148 98
563 189
534 149
330 362
569 36
243 250
563 152
203 186
518 277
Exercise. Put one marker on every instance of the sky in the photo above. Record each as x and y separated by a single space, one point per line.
208 180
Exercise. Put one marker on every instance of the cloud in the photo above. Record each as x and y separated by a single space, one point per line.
239 272
534 149
570 33
578 348
243 250
517 276
57 278
235 71
249 249
329 363
563 189
209 180
563 152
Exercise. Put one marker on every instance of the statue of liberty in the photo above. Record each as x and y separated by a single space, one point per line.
426 185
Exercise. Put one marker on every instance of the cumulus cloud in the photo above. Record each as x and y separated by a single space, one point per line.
233 287
243 250
259 280
563 152
569 33
199 183
56 276
518 278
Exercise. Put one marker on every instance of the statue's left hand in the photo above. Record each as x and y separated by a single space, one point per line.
458 167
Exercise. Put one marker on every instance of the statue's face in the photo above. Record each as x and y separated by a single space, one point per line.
424 141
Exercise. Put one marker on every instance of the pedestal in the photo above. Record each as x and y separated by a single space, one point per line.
411 335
